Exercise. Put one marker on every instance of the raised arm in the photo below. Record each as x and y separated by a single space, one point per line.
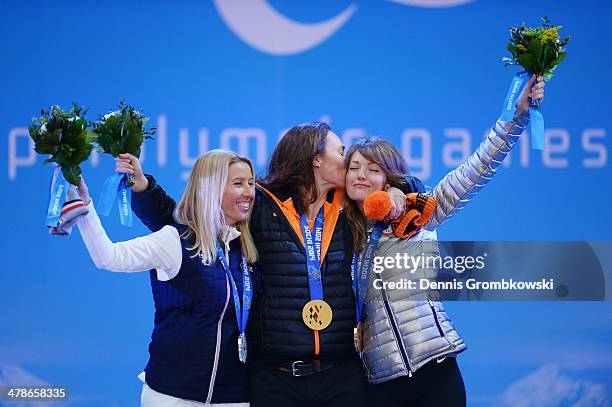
160 250
149 200
460 185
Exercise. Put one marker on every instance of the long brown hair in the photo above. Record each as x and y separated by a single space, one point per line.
200 207
290 166
390 160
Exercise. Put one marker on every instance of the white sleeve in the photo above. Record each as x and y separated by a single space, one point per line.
160 250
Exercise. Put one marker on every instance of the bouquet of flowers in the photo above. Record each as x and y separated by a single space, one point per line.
119 132
539 51
63 135
122 131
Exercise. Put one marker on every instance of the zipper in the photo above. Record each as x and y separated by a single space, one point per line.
396 333
218 344
435 316
296 239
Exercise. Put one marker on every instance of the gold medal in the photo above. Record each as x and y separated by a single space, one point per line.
358 337
317 315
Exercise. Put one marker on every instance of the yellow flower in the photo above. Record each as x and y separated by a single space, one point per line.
521 48
550 35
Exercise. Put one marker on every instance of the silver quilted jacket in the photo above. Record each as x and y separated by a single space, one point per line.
405 329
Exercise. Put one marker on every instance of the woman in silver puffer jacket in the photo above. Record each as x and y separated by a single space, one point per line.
407 340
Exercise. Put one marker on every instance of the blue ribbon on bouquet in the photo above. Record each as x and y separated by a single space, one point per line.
536 119
114 190
536 127
57 196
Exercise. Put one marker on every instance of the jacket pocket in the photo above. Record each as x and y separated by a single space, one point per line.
435 317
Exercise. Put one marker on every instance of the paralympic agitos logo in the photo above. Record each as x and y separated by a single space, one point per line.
262 27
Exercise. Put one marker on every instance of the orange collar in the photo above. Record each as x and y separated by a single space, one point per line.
331 211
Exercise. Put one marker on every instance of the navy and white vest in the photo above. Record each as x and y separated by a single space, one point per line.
193 350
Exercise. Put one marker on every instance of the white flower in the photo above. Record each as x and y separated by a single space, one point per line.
115 113
43 129
70 119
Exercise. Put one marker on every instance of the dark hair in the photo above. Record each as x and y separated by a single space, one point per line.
390 160
290 166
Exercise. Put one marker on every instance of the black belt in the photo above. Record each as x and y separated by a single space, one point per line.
302 368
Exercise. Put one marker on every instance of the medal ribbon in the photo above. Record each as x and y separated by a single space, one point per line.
242 312
313 254
360 270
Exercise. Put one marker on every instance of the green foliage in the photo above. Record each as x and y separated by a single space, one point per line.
539 50
122 131
63 135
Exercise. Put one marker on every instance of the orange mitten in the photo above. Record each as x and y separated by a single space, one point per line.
418 209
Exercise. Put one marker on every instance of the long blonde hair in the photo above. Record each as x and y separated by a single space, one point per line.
200 207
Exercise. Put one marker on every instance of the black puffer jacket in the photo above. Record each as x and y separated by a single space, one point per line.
276 331
277 327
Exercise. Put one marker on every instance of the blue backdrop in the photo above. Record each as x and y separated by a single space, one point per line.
425 74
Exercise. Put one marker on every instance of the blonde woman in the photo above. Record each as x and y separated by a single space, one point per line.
202 285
